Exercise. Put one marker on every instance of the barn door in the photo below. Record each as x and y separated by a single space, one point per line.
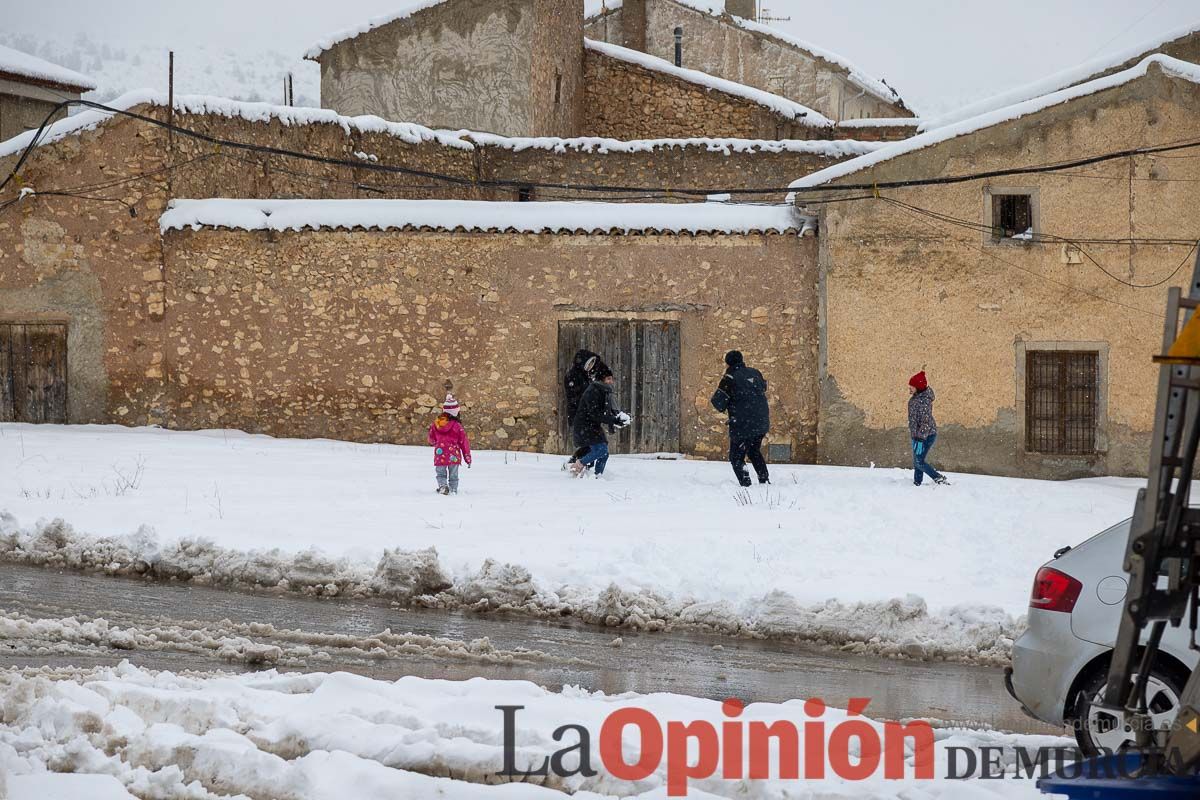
644 357
33 372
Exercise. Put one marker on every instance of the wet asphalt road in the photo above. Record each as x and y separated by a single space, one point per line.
708 666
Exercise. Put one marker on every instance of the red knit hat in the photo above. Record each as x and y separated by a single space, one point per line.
919 381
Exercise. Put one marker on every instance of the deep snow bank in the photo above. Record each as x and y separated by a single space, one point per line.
309 737
852 557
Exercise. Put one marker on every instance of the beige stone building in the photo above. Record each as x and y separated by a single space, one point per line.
1034 321
30 90
511 67
733 45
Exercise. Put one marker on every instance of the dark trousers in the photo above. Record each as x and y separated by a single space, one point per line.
742 449
920 453
596 457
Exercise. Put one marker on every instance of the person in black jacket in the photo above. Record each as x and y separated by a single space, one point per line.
575 383
742 394
594 412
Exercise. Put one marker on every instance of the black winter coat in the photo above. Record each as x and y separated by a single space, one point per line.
743 395
594 412
575 382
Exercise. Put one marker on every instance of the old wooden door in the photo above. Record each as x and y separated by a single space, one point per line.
33 372
644 357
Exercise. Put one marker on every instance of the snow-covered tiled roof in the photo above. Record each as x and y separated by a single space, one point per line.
780 105
716 8
881 122
220 106
1170 66
14 62
371 24
484 216
1059 80
829 148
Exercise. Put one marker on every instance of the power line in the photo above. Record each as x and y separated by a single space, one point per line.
478 182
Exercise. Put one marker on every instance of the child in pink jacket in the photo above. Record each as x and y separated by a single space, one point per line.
450 446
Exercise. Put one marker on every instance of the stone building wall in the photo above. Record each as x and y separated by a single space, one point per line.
459 64
903 292
556 81
719 47
351 334
628 101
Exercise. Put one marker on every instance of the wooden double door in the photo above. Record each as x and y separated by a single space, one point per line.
644 358
33 372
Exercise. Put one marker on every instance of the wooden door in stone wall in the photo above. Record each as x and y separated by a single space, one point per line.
644 358
33 372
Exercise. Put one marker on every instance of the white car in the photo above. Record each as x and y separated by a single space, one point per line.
1060 664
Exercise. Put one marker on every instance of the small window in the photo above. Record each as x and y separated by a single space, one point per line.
558 87
524 194
1012 217
1061 401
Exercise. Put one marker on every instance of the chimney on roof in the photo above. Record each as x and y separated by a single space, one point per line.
746 9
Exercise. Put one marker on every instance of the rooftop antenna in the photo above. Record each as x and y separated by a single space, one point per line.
764 15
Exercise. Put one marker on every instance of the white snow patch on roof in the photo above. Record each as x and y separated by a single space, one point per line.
220 106
830 148
1171 66
1058 80
371 24
15 62
881 122
482 216
780 105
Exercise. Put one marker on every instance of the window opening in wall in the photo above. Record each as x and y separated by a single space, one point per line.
1061 401
558 87
524 194
1012 217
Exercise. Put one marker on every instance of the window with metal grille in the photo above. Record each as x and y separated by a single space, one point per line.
1012 217
1061 397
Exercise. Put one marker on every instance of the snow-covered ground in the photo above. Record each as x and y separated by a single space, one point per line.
852 557
158 735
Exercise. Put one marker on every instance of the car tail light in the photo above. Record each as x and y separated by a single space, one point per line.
1054 591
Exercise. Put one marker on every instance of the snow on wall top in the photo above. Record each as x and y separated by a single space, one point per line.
14 62
484 216
1170 66
466 140
780 105
716 8
1058 80
830 148
220 106
332 39
881 122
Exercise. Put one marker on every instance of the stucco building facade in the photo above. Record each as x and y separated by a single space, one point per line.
32 89
512 67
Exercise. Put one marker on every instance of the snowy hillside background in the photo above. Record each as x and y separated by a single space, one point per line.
228 71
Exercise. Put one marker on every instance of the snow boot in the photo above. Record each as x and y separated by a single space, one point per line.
942 481
443 490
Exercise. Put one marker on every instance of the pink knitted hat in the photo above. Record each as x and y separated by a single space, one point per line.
451 406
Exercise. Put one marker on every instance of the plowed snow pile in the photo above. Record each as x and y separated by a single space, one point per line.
317 736
858 558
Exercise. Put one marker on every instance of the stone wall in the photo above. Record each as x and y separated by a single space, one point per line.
556 82
460 64
903 292
719 47
628 101
351 334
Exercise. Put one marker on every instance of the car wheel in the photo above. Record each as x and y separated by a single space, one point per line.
1099 730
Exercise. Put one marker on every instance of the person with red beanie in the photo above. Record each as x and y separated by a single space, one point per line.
922 428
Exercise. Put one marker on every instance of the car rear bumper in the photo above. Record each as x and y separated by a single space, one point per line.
1046 660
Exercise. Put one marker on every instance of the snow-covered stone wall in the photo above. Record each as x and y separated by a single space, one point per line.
350 334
